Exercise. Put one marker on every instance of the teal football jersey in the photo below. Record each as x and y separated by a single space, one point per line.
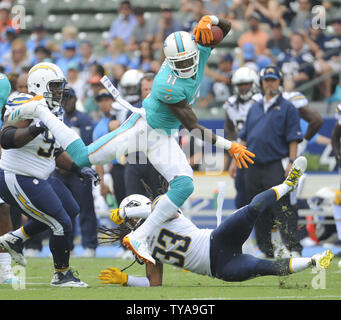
170 89
5 90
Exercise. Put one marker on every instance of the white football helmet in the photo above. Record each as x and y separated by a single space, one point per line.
182 54
130 84
47 79
135 200
245 75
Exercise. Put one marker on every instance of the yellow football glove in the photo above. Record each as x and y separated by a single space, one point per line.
203 30
115 216
240 154
337 198
113 276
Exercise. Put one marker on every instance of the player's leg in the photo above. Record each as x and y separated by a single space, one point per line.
169 160
239 182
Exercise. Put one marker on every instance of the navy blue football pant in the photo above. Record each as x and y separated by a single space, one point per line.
82 193
49 204
228 263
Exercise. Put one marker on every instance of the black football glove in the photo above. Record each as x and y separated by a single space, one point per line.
87 174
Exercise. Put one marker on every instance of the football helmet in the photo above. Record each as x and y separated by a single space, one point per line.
47 79
130 84
182 54
245 75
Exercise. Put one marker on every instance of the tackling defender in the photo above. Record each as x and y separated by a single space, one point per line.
175 90
216 253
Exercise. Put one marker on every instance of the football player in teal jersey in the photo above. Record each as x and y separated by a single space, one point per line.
173 94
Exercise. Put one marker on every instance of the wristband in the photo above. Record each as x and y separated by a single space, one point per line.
223 143
214 20
291 161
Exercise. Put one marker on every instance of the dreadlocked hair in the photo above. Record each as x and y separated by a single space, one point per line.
112 235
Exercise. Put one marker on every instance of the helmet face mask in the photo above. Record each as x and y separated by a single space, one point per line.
55 93
182 54
241 78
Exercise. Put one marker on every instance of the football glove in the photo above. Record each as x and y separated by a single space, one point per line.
203 30
240 154
115 216
89 174
113 276
337 198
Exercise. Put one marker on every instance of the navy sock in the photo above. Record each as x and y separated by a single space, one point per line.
60 249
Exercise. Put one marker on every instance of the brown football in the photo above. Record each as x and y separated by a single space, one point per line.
217 37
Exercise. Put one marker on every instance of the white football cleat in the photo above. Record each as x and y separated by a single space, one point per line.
28 110
322 260
14 246
139 247
7 277
297 169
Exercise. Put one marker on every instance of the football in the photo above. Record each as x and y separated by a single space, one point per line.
217 37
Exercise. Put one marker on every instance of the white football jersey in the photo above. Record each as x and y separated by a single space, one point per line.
298 99
36 158
180 243
237 111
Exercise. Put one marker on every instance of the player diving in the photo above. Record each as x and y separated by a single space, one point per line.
151 130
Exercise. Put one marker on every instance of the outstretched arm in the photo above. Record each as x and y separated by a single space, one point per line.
116 276
187 117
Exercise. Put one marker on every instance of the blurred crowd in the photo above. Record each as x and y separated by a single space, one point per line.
286 33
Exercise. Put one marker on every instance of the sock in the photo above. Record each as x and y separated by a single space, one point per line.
164 210
5 259
63 134
299 264
59 247
281 190
20 233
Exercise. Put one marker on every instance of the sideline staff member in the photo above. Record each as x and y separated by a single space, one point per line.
272 130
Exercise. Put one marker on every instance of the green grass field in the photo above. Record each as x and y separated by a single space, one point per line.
177 284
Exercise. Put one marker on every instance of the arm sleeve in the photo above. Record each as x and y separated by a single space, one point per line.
138 212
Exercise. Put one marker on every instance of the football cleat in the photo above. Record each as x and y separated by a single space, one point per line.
138 247
14 246
322 260
67 280
7 277
297 169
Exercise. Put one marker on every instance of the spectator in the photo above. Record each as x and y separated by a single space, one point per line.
69 55
38 38
81 191
19 57
75 81
142 32
90 103
237 14
5 46
70 33
268 10
197 10
278 42
217 8
329 56
143 62
41 54
250 59
221 78
107 124
297 62
124 25
5 20
255 35
116 54
118 71
20 85
274 117
301 20
87 58
167 25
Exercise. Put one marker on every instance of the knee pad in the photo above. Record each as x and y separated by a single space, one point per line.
180 189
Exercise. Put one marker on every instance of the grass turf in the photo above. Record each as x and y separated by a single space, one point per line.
177 284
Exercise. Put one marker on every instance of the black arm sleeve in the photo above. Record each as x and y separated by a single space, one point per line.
7 137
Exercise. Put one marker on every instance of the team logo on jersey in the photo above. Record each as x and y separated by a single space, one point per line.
168 97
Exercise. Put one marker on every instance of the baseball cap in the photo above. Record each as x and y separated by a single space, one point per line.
70 45
103 93
227 57
248 51
270 72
